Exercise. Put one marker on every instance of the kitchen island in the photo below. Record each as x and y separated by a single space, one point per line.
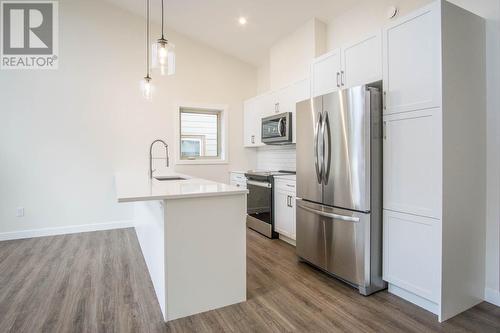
192 234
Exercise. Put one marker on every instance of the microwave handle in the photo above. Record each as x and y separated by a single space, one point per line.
280 127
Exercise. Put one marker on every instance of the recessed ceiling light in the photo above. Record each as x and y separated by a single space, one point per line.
242 20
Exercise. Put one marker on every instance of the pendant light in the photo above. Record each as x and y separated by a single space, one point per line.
147 87
163 52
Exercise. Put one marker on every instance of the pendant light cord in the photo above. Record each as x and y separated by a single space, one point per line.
147 36
162 20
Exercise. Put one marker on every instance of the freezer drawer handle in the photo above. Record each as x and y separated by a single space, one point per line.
330 215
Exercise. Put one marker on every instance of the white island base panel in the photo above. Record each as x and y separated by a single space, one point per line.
195 250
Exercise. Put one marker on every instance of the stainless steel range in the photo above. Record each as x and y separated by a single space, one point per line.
260 203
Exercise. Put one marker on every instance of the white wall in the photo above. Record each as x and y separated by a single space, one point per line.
364 18
290 58
371 15
64 133
263 78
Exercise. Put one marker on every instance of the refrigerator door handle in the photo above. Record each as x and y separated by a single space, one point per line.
330 215
316 156
327 161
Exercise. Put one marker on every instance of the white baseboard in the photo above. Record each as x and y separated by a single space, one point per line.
415 299
492 296
288 240
65 230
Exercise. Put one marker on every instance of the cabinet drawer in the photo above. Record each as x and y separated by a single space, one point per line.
411 253
285 185
238 177
239 184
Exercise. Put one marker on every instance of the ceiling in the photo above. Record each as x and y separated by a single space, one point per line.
215 22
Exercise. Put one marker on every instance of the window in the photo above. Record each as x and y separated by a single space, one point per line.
200 134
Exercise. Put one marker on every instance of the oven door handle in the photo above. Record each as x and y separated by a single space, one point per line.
260 184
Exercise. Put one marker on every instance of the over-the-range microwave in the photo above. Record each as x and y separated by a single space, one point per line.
277 129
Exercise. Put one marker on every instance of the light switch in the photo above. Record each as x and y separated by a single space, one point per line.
20 211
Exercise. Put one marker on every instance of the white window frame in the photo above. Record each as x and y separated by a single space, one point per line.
223 135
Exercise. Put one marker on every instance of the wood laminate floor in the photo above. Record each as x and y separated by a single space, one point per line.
98 282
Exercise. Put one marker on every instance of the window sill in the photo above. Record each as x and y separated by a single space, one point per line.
201 162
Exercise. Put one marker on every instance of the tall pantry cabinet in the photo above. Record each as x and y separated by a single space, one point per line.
434 158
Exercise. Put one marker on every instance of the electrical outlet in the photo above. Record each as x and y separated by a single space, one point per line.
20 211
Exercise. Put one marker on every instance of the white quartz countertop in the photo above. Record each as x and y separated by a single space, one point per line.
133 187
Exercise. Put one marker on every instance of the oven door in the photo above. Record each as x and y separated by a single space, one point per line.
277 129
259 206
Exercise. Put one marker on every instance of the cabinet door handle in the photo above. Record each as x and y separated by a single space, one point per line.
342 82
384 130
385 100
338 81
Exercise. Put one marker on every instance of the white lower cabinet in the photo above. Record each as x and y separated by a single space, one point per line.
284 208
238 179
411 256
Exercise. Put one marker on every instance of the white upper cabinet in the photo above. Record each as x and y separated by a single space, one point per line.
288 97
325 72
362 61
279 101
412 62
352 65
252 122
412 163
285 99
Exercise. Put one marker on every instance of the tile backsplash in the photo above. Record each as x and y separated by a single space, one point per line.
276 158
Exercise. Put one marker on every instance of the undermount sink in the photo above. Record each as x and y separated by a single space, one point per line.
165 178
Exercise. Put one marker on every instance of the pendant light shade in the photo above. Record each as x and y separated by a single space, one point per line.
163 51
146 84
147 88
164 57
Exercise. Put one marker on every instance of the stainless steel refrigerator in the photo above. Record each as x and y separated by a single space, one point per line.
339 185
